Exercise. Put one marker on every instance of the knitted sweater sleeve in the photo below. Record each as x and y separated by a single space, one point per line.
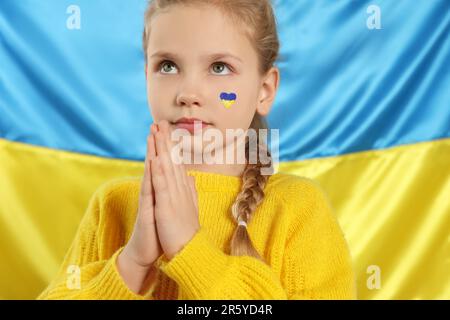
317 263
83 274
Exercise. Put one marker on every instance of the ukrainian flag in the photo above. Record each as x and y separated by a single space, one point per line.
363 108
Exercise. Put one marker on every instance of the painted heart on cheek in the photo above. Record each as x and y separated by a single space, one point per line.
228 99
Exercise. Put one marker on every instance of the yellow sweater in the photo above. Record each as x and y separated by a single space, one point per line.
294 229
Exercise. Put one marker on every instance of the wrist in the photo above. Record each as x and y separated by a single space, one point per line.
172 253
131 272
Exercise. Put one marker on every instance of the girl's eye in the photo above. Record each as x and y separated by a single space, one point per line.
166 67
219 67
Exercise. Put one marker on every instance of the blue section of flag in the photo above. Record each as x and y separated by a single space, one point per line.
347 84
348 88
80 90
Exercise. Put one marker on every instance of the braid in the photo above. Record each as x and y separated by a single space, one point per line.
248 199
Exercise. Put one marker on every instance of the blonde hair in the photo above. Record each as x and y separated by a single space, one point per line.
258 21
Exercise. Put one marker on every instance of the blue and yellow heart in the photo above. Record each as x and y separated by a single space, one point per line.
228 99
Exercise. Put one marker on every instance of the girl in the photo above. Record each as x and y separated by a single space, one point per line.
207 231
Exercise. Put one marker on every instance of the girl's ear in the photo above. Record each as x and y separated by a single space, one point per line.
145 69
269 87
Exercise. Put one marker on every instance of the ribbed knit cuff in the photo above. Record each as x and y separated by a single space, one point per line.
197 266
110 285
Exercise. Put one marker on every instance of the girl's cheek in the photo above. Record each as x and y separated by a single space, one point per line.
235 117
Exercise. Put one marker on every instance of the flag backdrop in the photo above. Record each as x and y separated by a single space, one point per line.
363 108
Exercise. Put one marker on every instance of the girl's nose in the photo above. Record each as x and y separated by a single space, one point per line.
188 99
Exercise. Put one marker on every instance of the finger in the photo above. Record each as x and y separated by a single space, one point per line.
193 190
152 147
157 175
146 197
164 165
151 155
180 181
145 185
166 162
154 128
162 193
184 175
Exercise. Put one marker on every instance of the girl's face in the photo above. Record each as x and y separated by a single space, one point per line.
194 55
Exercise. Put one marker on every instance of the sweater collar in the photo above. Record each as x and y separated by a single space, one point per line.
211 181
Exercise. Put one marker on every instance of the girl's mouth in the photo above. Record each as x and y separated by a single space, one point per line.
191 124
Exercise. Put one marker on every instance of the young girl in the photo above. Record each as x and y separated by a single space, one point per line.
207 231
